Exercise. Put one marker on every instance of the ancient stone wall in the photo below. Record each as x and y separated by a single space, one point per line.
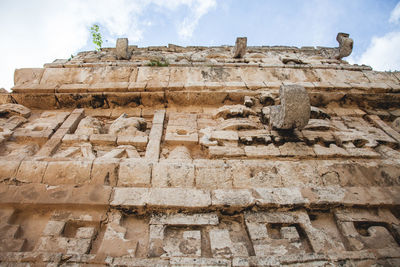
209 159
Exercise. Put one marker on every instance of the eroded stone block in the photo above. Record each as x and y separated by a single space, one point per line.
294 111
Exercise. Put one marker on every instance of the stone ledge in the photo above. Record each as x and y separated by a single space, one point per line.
41 194
185 198
352 257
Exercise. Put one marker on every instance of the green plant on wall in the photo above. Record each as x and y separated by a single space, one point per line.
158 63
96 36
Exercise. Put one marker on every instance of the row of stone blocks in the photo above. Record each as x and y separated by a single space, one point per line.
198 199
175 78
201 173
261 237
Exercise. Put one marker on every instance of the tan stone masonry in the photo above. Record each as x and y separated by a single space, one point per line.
107 161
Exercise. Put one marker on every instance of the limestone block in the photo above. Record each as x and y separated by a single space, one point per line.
180 153
238 124
134 172
294 111
381 124
195 261
121 49
63 244
225 151
232 198
396 124
331 151
254 173
230 111
279 196
127 126
138 141
290 233
105 171
54 228
8 168
67 172
223 246
31 171
153 146
27 76
12 123
171 174
8 110
212 174
222 136
345 45
75 138
185 219
361 152
181 135
89 125
262 151
189 244
130 196
103 139
240 47
115 242
108 87
179 197
296 149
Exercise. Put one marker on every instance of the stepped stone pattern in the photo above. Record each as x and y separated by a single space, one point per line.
220 156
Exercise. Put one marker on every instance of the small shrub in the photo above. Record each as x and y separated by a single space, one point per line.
158 63
96 36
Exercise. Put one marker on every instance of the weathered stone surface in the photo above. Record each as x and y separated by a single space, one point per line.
227 112
294 111
170 174
134 172
240 47
345 45
89 125
85 181
127 126
8 110
67 172
121 48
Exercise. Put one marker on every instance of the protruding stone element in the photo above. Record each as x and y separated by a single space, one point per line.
294 111
121 49
240 47
396 124
231 111
89 125
345 45
248 101
8 110
127 126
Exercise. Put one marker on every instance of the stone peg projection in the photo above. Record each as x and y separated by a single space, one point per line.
294 110
121 48
345 45
240 47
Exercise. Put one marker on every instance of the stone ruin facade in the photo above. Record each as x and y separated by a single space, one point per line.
219 156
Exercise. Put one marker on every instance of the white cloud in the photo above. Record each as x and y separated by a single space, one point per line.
383 52
36 32
395 14
198 9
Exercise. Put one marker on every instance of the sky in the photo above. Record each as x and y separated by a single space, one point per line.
37 32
